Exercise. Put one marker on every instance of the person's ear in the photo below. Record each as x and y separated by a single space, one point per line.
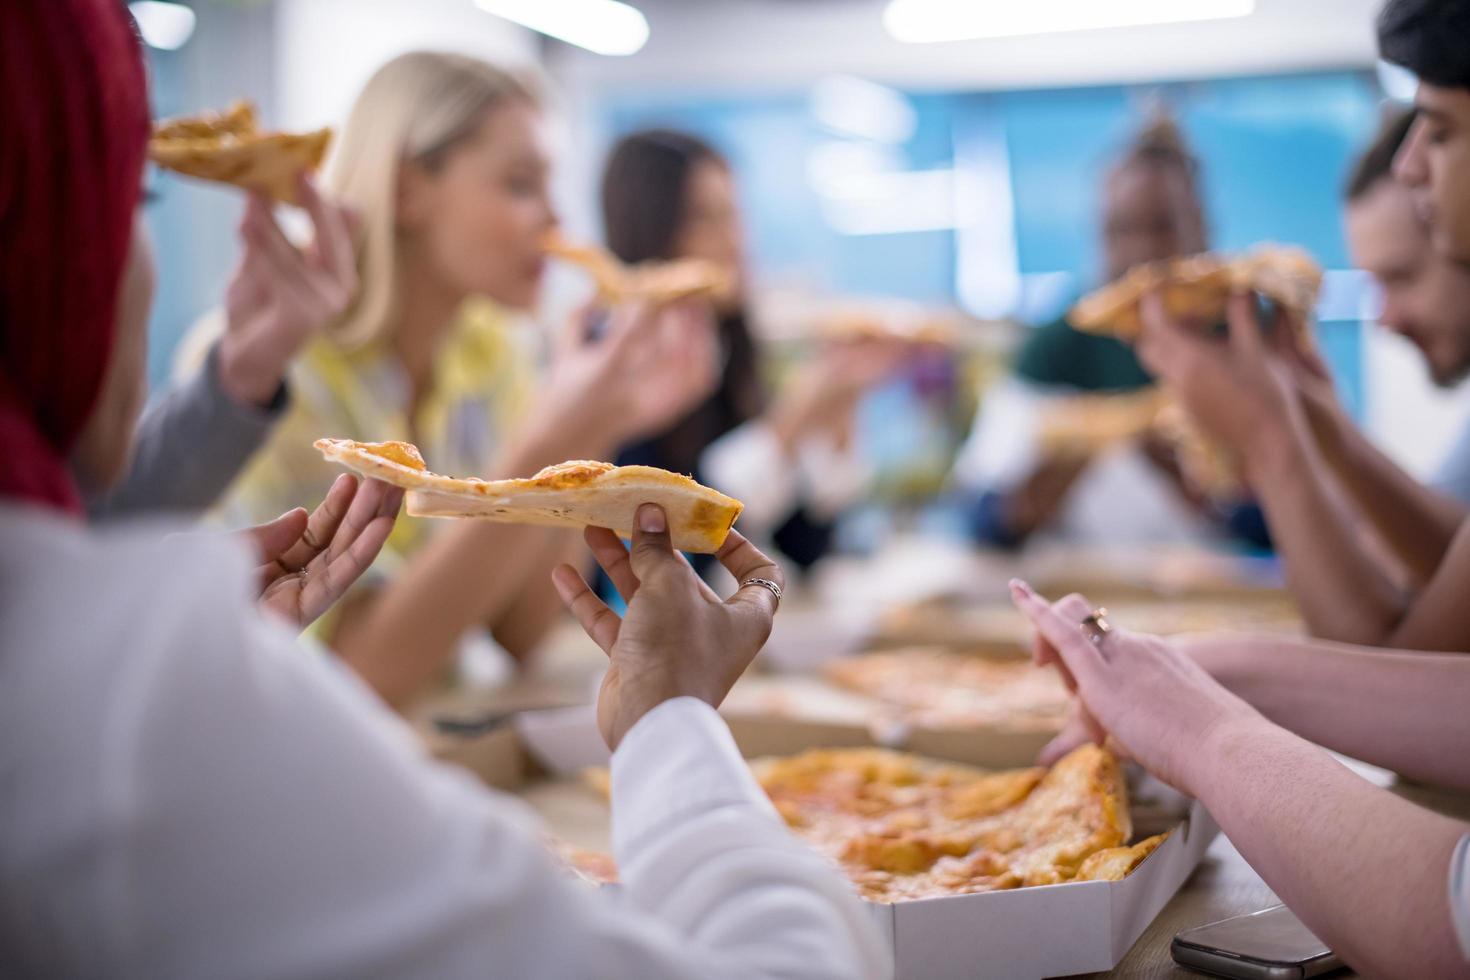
414 196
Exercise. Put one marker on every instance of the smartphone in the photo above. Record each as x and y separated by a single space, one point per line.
1271 944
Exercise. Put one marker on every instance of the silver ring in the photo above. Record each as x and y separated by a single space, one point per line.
765 583
302 573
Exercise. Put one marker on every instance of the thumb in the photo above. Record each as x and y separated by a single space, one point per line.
1245 325
652 546
1074 733
273 539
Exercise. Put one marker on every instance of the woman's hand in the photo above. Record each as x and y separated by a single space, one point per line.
281 295
650 367
1239 390
824 394
678 638
1158 706
307 563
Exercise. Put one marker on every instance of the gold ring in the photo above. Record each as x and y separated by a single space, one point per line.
1096 626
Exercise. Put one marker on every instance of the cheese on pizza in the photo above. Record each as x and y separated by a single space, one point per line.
902 827
652 282
578 493
228 147
1195 289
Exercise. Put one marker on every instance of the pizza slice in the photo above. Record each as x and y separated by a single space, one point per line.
904 827
904 323
228 147
652 282
1195 288
1081 425
579 493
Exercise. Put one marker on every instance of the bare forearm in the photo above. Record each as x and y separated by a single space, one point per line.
1365 871
1416 521
1396 709
1343 592
536 607
468 575
1035 503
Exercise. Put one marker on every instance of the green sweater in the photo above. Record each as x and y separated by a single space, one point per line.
1059 355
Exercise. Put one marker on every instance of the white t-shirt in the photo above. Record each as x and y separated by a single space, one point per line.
189 793
1120 499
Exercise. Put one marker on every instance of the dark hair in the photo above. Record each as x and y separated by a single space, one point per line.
644 185
1431 38
643 188
1376 163
1160 141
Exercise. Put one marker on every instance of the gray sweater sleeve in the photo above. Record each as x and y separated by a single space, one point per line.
191 443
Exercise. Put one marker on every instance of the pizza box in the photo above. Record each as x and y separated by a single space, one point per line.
1025 933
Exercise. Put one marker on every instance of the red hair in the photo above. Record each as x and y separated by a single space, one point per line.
73 131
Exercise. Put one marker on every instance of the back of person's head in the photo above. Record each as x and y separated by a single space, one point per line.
416 108
1152 203
74 113
1431 38
644 188
1376 162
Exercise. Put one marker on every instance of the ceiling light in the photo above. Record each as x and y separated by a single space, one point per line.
165 26
891 203
920 21
600 26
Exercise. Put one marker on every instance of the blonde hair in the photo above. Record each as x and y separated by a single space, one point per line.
416 108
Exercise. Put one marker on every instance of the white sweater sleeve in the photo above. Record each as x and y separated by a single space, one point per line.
267 818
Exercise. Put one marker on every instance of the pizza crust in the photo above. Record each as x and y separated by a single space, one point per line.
1195 289
228 147
656 283
578 493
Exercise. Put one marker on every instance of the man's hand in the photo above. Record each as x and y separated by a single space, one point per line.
678 638
281 296
307 563
1239 390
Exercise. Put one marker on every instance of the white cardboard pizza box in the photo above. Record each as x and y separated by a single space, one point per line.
1046 931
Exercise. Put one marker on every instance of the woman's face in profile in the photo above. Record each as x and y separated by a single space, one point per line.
480 217
710 228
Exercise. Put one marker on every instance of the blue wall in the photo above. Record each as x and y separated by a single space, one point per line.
1274 151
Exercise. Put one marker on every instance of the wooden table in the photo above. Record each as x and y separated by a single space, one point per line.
1224 885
